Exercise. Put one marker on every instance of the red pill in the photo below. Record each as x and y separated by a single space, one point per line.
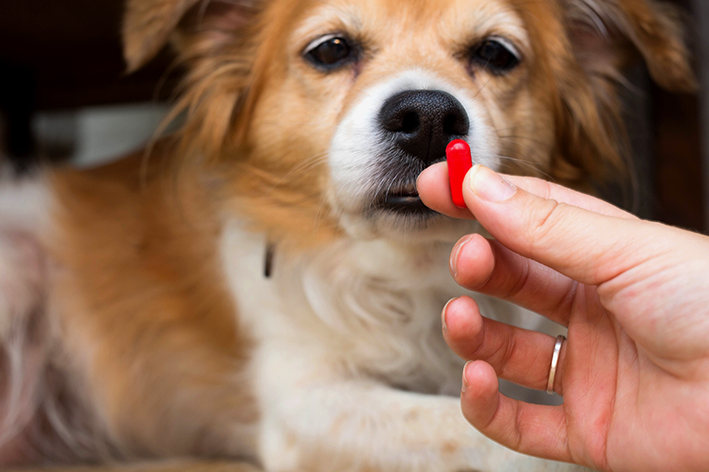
459 163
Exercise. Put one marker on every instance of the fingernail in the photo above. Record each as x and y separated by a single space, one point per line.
455 254
464 387
443 314
489 185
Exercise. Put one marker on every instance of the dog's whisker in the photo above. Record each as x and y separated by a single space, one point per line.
306 123
528 164
323 201
533 140
203 10
480 90
306 165
528 12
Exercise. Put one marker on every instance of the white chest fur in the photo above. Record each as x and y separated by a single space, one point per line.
348 352
365 308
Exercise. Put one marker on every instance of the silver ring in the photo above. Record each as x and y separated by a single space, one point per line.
554 363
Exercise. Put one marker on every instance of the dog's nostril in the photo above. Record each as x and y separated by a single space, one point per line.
410 123
400 120
453 124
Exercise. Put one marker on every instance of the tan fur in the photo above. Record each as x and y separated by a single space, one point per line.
143 293
143 310
147 25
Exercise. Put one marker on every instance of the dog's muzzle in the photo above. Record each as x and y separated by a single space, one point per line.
417 125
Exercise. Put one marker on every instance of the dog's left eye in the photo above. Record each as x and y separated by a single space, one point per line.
495 55
328 52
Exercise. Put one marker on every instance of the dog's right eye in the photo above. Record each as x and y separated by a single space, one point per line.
329 52
496 55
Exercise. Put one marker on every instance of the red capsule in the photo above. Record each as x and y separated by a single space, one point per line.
459 163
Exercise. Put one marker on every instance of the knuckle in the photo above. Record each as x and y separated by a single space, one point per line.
518 284
507 354
544 224
546 190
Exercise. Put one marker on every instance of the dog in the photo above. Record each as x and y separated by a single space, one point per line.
265 284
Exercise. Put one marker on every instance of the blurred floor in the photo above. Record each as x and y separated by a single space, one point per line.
173 466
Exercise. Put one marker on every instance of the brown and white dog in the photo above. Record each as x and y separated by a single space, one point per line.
135 317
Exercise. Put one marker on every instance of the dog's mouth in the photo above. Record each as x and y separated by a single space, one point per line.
402 200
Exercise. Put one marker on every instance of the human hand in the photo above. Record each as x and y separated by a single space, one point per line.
634 295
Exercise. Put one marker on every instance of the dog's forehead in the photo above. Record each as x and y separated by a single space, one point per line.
450 22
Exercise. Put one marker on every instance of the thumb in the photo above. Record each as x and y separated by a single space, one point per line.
586 246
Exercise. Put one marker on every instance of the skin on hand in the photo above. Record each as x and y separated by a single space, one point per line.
634 372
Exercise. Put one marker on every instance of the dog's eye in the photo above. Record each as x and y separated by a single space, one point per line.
495 56
328 52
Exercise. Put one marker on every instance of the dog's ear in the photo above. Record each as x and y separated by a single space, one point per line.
149 24
608 35
605 37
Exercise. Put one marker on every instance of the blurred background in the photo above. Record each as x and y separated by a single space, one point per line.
65 98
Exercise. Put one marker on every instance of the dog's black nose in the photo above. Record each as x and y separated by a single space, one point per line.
423 122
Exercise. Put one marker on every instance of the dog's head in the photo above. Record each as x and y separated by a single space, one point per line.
318 115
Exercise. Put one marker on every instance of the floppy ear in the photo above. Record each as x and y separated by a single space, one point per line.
147 25
609 34
215 41
605 37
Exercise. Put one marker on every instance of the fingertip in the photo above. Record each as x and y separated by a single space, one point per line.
433 187
431 182
432 174
537 430
463 325
480 375
472 261
480 396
